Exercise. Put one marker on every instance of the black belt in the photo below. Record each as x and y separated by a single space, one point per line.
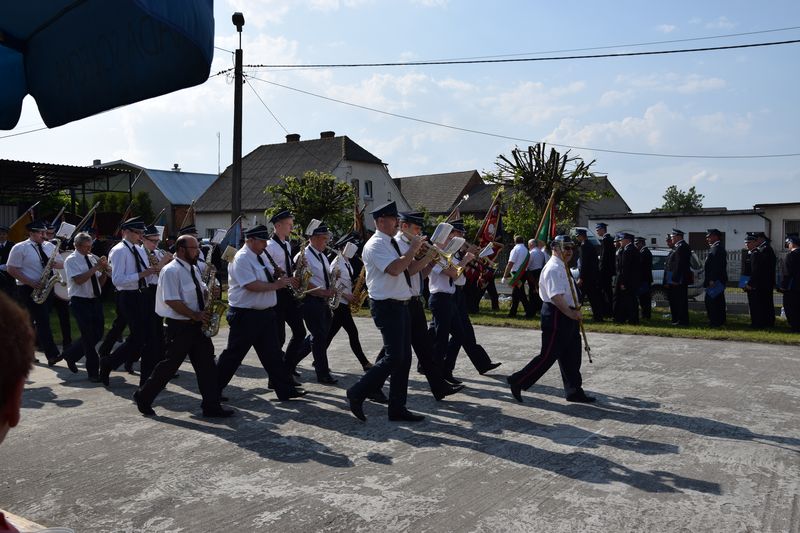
391 300
232 308
177 322
87 298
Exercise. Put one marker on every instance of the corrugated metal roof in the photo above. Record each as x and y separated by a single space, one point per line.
181 188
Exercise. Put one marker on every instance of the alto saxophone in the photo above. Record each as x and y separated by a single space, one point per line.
302 272
48 278
359 291
215 306
333 301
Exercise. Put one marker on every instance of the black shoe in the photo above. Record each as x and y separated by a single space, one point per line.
366 366
405 416
452 381
143 408
327 379
269 385
176 376
516 390
54 361
356 407
378 397
581 397
294 393
489 368
296 383
94 379
217 412
105 372
223 398
447 391
129 368
420 370
295 373
72 366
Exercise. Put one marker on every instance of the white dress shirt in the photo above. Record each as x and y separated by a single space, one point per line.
318 265
518 256
344 281
175 283
378 254
440 282
538 259
75 265
25 256
416 279
553 281
124 273
244 270
152 279
281 255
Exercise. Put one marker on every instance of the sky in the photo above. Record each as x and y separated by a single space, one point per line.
720 103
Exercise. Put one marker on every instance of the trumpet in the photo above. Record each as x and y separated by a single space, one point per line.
445 256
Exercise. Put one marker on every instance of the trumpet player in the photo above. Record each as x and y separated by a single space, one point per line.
316 313
343 277
180 299
26 263
86 276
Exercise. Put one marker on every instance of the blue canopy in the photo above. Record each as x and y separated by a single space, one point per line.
80 57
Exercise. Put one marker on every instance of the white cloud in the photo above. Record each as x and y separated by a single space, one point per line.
721 23
335 5
723 124
672 82
666 28
456 85
260 13
377 90
611 98
703 175
532 102
431 3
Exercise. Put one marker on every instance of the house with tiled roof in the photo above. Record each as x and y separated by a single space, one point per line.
269 163
438 194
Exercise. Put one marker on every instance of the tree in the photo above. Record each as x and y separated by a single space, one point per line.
117 202
531 176
676 200
317 195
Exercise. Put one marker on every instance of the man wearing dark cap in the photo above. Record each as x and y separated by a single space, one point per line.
679 274
627 282
790 282
761 284
389 285
288 309
191 230
7 283
252 287
129 271
716 277
644 294
607 267
561 337
588 274
26 263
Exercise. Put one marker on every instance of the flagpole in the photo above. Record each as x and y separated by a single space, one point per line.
158 216
482 227
546 211
29 210
79 226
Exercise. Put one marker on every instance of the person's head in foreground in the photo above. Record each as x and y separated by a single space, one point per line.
16 360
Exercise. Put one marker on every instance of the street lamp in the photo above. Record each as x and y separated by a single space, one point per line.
236 178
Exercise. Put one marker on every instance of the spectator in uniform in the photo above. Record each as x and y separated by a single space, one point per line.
680 277
607 267
626 284
561 337
790 282
589 274
716 277
644 294
761 284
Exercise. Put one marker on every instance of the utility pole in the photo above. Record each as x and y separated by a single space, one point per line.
236 181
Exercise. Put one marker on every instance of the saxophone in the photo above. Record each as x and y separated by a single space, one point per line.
48 279
333 301
359 291
302 272
215 306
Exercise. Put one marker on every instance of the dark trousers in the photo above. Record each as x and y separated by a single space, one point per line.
184 337
393 321
317 317
8 285
462 335
605 286
591 289
114 333
288 312
533 290
253 328
762 308
561 341
646 302
791 306
343 318
155 337
715 309
679 303
440 304
625 306
40 314
88 313
422 343
133 305
62 311
518 296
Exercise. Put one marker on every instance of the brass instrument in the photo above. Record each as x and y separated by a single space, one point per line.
210 273
360 293
151 258
103 270
333 301
214 306
48 278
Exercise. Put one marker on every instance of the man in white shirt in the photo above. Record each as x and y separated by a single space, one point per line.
389 285
561 337
86 276
191 230
26 262
180 300
252 287
535 265
129 272
517 266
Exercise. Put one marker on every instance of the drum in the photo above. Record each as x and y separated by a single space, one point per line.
60 288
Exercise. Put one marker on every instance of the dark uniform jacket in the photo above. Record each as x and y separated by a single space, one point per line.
762 268
5 278
590 267
645 266
791 271
679 264
607 256
628 274
716 265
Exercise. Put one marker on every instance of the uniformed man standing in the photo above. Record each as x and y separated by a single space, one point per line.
26 262
180 299
716 277
517 266
129 272
790 282
7 283
561 337
252 287
588 274
85 279
389 286
627 282
644 294
761 285
607 267
680 274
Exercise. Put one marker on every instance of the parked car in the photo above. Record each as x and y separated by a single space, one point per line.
659 259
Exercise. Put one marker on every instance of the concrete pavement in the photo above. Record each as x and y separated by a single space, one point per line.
686 436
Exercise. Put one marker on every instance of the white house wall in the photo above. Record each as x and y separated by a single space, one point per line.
383 188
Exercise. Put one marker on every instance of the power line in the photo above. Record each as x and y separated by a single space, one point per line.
520 139
224 49
22 133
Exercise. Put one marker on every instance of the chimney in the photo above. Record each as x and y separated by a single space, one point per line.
327 135
176 168
96 163
293 138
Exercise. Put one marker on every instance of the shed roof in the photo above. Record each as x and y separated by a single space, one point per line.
25 180
437 193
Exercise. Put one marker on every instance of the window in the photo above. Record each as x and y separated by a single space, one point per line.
790 226
210 233
354 184
368 189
